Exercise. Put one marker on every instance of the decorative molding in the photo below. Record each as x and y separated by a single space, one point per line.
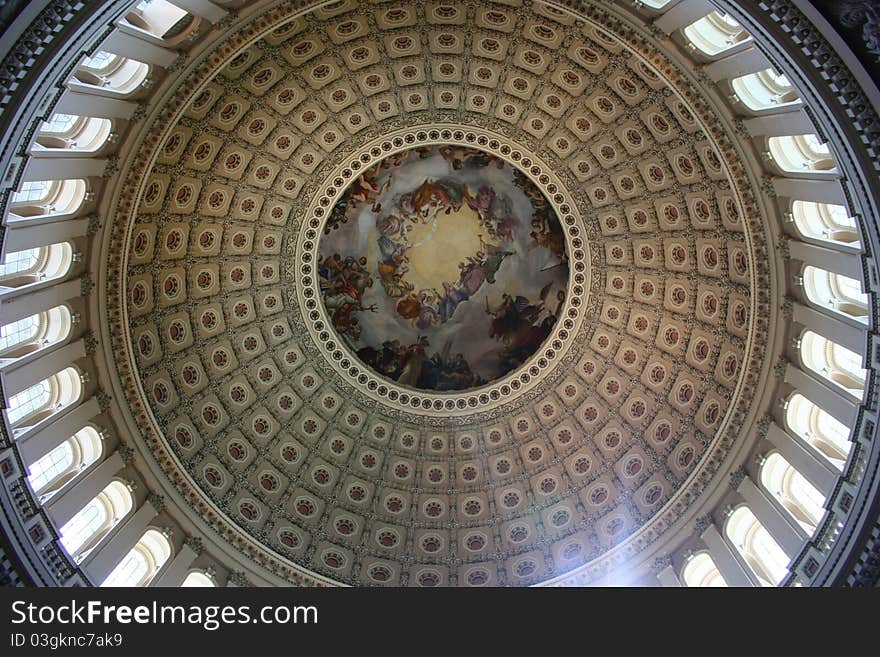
112 166
104 400
737 477
763 425
126 453
86 285
780 366
702 523
195 543
156 501
660 564
91 342
787 306
238 578
94 225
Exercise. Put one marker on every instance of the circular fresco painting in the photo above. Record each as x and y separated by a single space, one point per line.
443 268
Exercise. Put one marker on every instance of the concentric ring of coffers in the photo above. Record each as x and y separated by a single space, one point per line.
596 455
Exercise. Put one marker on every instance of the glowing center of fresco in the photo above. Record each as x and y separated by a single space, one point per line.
449 234
443 268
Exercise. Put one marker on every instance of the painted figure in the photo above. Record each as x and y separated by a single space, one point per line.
413 327
343 284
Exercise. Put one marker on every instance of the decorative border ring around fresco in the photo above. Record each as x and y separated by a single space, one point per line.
386 391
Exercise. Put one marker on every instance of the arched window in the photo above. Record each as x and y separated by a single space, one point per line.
826 222
835 363
66 131
22 331
47 198
93 522
764 90
50 466
836 292
821 430
29 401
41 400
112 73
63 464
101 61
801 153
142 563
35 332
701 571
162 20
33 190
60 124
35 265
197 578
797 495
715 33
21 262
762 554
